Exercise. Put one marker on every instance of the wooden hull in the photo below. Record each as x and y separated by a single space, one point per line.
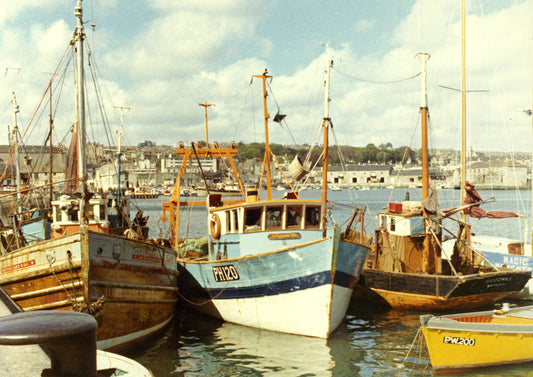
483 339
129 286
438 292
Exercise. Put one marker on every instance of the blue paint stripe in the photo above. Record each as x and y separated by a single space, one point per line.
287 286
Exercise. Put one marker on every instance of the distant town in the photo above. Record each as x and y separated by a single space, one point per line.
153 168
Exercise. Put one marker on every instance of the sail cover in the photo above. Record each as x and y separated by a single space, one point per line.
472 197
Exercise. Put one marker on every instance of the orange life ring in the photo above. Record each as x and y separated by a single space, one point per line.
215 226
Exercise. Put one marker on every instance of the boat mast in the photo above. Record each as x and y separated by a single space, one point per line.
424 57
206 105
463 102
428 248
16 110
80 106
119 152
263 77
326 123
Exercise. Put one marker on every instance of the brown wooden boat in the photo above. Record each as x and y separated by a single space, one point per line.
407 270
97 260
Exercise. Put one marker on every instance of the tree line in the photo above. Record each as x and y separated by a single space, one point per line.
370 154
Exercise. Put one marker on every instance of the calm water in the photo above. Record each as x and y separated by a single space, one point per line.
370 342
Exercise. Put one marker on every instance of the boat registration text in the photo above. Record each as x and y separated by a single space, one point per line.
459 341
225 273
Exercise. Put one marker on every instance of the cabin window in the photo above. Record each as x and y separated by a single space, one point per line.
312 217
57 212
73 214
227 225
294 216
102 213
252 219
273 217
234 221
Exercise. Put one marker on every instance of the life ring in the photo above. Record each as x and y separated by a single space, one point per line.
215 226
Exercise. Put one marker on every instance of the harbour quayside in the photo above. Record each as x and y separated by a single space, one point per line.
128 284
407 269
273 264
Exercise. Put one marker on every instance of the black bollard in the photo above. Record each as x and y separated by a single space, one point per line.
69 337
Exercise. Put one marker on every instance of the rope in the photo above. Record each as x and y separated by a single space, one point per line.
378 82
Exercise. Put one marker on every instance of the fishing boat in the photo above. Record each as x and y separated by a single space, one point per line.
273 264
407 270
97 260
464 341
498 251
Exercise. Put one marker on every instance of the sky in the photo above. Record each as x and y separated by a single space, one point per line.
162 58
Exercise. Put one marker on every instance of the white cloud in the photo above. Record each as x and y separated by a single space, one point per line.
176 54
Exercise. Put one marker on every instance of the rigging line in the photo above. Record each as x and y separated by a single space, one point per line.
377 82
353 194
10 160
94 67
404 157
99 99
278 109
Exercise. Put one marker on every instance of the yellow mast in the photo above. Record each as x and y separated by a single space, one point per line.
463 101
428 248
326 124
266 161
206 105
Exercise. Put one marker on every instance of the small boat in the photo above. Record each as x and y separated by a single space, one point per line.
458 342
273 264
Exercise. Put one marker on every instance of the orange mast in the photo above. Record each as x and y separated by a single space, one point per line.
326 123
266 160
206 105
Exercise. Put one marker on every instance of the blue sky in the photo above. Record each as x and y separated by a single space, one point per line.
163 57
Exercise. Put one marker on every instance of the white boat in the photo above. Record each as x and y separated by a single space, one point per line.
273 264
97 260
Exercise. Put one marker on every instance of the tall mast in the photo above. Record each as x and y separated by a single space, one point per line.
463 101
263 77
51 119
206 105
427 250
119 152
424 57
326 123
80 105
16 110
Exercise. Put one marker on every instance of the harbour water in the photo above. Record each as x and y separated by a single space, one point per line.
371 341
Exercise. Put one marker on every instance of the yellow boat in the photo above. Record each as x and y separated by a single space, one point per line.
480 339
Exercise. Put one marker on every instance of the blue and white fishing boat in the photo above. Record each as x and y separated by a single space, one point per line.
274 264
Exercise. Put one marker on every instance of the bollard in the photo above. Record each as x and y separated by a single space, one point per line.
69 338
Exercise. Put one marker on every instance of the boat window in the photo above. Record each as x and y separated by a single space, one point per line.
312 217
252 219
294 216
90 212
57 212
273 217
235 223
102 213
227 225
